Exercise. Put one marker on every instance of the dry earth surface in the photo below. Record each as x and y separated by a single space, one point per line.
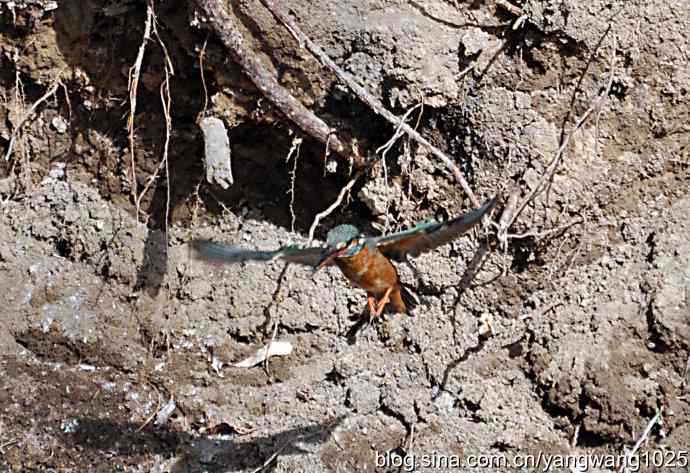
116 349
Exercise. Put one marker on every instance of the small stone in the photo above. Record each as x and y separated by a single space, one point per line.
331 165
59 124
217 152
58 172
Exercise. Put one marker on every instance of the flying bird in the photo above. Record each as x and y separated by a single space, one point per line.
365 261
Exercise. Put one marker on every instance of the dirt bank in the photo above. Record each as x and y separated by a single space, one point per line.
567 341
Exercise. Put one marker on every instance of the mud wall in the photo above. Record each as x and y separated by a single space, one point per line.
568 339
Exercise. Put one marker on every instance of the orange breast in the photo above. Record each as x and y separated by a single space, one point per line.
370 270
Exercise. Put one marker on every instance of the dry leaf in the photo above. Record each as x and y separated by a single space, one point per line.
273 349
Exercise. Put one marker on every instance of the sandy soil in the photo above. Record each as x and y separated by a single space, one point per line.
116 349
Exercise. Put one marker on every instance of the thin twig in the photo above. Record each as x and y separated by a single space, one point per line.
655 420
545 232
202 53
29 113
576 435
334 205
581 79
268 347
595 104
383 149
294 150
270 459
228 30
517 11
367 98
132 86
166 101
326 154
504 222
7 444
302 438
155 411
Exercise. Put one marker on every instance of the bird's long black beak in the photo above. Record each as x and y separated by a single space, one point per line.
329 255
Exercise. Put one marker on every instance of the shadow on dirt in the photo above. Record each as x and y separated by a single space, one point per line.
215 455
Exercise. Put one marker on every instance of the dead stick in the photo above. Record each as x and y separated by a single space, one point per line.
517 11
628 455
366 97
132 87
334 205
228 30
51 90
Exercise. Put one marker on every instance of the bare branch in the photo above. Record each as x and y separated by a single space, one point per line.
132 87
595 104
367 98
628 455
294 151
334 205
228 30
29 113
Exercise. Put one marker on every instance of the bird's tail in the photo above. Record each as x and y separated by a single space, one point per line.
408 296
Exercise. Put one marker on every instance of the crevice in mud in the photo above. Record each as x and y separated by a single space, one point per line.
502 446
455 363
654 338
555 411
335 377
447 122
427 371
524 252
64 248
384 409
589 439
242 338
524 41
651 244
467 405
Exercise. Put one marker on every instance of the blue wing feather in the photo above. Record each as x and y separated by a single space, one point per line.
220 253
427 235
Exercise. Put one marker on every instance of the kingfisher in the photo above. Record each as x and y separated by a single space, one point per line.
365 261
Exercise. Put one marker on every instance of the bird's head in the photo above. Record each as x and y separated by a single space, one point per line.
343 241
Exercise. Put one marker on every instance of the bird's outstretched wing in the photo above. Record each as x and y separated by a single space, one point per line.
428 235
219 253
